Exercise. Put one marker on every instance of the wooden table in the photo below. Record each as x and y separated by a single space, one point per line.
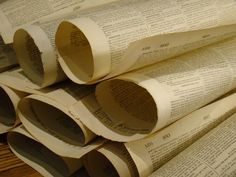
11 166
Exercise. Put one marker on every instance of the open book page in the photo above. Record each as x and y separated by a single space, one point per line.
151 153
95 44
151 98
212 155
110 160
48 118
38 156
8 105
15 14
35 47
7 56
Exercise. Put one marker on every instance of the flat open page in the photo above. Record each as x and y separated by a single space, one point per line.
101 43
146 100
39 157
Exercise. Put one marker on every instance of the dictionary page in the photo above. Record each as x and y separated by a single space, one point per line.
38 156
151 98
152 152
15 14
212 155
97 44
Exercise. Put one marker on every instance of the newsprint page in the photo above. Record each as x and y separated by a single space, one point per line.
118 88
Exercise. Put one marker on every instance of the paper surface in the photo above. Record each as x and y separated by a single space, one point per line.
8 106
35 46
97 44
7 56
154 151
16 79
153 97
62 132
112 160
213 154
38 156
15 14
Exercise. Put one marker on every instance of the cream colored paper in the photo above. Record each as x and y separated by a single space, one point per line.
48 118
149 99
90 113
38 156
151 153
212 155
15 14
112 159
35 47
16 79
8 105
151 50
37 57
97 44
7 56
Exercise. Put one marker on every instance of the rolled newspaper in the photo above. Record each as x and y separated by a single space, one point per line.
112 159
127 35
142 102
36 155
48 118
8 105
7 56
144 156
35 46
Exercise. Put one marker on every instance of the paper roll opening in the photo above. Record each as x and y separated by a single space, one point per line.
29 56
76 52
128 105
100 165
7 109
36 152
52 120
58 123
